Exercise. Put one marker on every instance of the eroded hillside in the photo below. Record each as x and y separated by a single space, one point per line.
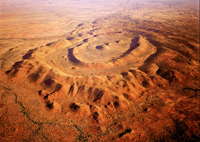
130 75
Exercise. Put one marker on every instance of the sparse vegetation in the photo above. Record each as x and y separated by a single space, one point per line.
99 71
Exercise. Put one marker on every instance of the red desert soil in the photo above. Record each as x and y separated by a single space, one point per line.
99 71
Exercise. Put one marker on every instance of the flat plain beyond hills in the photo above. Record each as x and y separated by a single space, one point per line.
107 70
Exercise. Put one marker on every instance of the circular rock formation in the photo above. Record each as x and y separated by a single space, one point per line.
125 83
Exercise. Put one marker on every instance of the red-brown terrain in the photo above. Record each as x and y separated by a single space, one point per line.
99 71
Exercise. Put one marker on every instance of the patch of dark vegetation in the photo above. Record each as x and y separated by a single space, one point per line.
74 107
125 132
49 105
82 138
98 94
29 54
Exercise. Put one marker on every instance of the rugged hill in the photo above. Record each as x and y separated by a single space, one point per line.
121 77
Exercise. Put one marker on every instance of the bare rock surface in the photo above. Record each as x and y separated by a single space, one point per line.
99 71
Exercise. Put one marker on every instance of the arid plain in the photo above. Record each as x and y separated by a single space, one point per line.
108 70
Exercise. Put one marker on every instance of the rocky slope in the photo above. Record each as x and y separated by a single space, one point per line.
118 78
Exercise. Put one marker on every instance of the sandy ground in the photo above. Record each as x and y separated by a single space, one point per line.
107 70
